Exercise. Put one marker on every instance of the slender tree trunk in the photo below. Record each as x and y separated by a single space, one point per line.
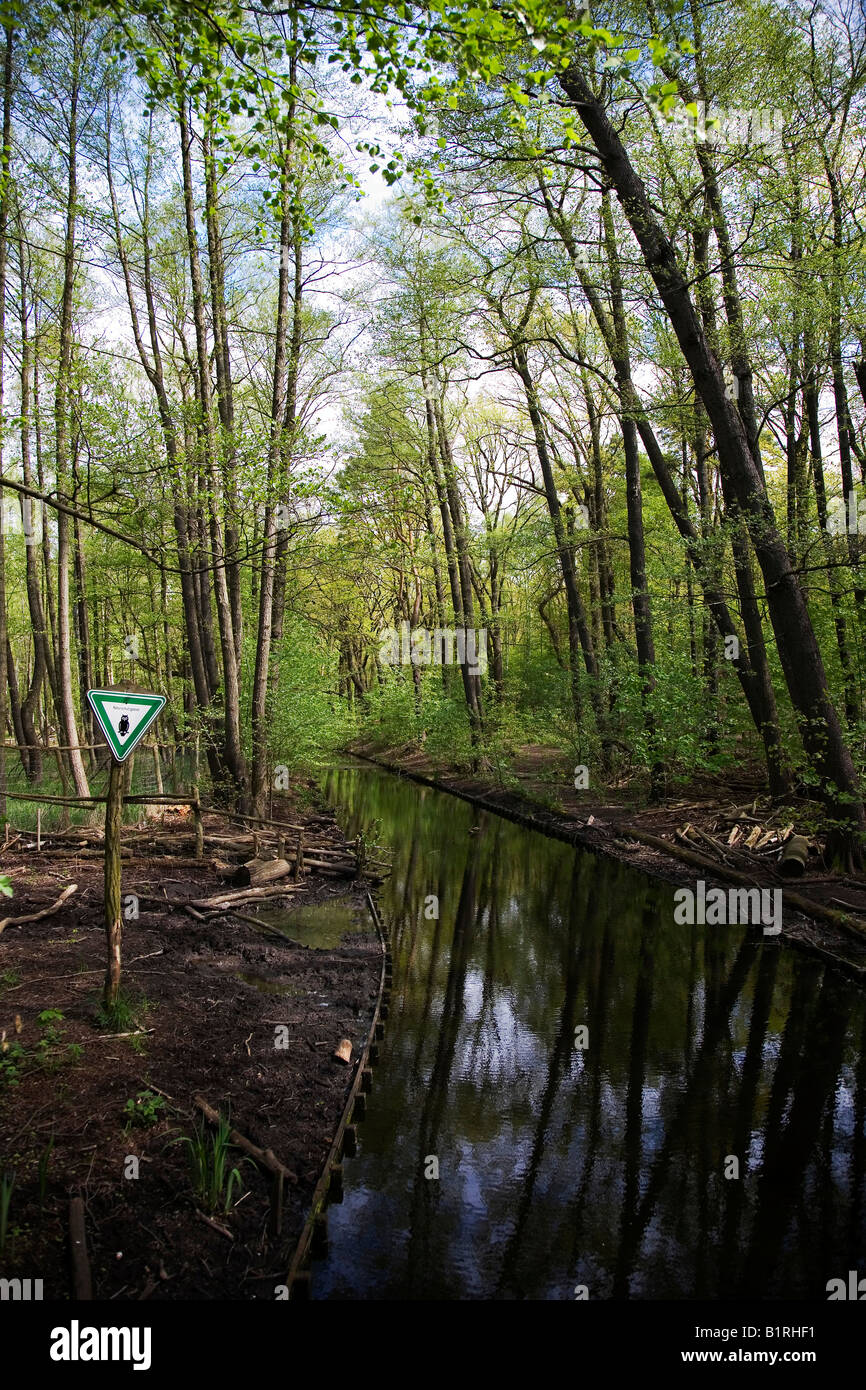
61 433
451 554
579 637
42 654
225 386
234 754
640 598
811 393
5 159
279 391
840 394
461 540
15 711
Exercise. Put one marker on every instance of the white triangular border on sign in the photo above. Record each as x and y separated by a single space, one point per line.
98 699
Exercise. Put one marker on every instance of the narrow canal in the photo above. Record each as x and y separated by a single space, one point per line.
570 1081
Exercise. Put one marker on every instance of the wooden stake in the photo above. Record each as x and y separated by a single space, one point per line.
82 1286
39 828
199 827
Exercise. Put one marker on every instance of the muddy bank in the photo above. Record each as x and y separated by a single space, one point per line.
607 824
246 1019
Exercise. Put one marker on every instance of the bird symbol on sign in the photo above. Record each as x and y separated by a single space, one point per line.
123 726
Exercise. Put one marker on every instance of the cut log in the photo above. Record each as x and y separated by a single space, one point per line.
343 1051
794 857
258 872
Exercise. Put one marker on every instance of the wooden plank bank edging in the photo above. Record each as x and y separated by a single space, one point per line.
330 1184
547 823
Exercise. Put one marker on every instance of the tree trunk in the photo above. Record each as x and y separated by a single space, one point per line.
5 158
234 754
579 638
279 390
640 597
61 434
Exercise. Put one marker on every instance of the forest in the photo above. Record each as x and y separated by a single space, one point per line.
480 389
312 328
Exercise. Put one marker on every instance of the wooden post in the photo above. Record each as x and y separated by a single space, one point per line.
158 768
38 827
113 919
82 1284
199 828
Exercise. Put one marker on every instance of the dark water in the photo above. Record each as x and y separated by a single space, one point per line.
602 1166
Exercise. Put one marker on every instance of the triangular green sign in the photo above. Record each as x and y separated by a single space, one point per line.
124 717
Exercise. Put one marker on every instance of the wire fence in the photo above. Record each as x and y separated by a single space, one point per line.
161 774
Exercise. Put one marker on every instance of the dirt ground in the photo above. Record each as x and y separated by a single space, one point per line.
540 791
66 1083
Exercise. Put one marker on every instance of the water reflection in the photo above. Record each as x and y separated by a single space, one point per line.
603 1165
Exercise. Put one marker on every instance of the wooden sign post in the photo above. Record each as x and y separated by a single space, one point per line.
124 717
113 919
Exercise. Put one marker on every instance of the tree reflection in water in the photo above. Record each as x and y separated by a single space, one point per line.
605 1166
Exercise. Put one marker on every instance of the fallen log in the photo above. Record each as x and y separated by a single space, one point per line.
246 895
346 862
262 820
795 856
851 925
37 916
266 1157
260 871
